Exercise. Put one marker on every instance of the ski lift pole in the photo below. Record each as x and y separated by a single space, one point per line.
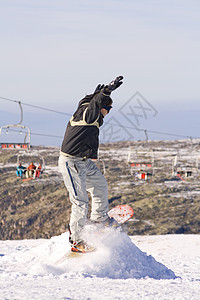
20 105
146 135
152 161
191 142
197 164
104 167
28 130
174 165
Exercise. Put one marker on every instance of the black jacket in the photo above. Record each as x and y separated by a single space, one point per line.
82 133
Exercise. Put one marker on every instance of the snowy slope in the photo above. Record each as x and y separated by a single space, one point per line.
149 267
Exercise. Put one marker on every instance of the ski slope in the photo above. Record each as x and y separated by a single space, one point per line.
123 267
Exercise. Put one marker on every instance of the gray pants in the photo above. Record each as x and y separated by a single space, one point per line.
81 177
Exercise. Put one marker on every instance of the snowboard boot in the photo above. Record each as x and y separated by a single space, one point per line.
111 222
81 247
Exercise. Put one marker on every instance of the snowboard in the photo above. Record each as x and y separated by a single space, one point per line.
121 213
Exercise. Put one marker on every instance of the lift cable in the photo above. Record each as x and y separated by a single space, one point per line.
146 131
35 106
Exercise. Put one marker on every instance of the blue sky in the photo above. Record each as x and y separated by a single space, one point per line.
54 52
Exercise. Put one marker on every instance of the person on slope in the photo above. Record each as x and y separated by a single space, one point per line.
81 175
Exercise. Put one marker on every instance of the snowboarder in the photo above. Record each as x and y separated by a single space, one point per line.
80 174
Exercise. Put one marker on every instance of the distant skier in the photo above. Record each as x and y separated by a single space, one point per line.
80 174
38 171
20 170
31 170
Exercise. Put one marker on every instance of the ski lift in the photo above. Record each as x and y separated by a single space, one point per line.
20 129
183 167
142 164
25 158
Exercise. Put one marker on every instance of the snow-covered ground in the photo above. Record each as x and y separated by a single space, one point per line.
123 267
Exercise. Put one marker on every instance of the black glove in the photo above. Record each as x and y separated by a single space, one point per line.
113 85
99 88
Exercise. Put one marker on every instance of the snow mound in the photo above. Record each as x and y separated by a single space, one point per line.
116 257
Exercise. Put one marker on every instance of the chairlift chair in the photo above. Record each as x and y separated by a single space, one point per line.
27 157
20 129
142 164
